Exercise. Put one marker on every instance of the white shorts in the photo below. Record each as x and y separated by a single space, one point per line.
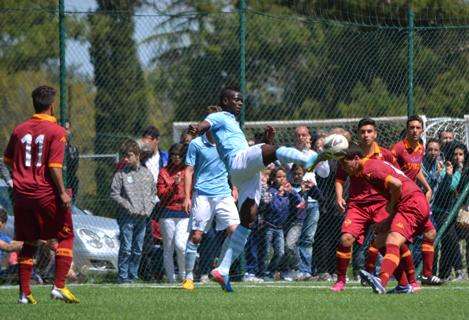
204 209
245 172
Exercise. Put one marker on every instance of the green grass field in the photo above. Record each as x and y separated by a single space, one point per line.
305 300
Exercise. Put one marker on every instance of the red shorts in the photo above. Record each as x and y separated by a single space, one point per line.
42 218
359 217
412 217
428 226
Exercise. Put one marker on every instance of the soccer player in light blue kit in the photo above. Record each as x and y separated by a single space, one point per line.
244 164
211 198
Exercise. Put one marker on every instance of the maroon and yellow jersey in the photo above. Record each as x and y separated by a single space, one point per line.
408 158
377 173
359 190
35 146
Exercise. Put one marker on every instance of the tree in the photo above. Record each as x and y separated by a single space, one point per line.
121 97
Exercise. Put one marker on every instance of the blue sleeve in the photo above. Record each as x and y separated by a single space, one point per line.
295 198
455 180
191 154
216 120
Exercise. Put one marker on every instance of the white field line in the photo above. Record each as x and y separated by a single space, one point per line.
276 285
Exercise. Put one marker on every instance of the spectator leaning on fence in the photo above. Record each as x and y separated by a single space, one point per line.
433 164
133 189
447 142
462 225
444 200
173 219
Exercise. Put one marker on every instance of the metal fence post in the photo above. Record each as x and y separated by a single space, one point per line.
242 58
410 59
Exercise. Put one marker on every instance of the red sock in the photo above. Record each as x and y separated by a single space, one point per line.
370 263
408 263
400 274
25 267
343 256
63 261
428 255
390 263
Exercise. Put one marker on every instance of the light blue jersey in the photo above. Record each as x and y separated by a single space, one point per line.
228 135
211 177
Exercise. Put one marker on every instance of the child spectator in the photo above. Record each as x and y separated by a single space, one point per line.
7 246
174 220
133 189
300 236
283 202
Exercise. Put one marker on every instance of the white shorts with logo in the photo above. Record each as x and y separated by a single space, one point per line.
205 208
245 173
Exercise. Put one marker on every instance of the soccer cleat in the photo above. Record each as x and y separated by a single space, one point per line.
223 281
249 277
415 287
373 281
431 281
63 294
204 279
401 289
27 299
338 286
188 284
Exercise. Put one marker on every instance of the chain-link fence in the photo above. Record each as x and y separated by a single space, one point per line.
320 65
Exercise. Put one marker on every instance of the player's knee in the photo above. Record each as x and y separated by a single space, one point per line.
395 238
430 235
347 240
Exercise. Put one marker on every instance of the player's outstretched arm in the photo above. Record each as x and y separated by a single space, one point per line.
57 178
198 129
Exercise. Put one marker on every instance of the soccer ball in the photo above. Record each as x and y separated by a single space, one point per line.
336 143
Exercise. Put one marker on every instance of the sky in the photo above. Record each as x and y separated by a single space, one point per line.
77 53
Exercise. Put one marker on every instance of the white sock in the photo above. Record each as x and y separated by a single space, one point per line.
191 256
236 245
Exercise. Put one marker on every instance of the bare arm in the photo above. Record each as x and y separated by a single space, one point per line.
394 186
13 246
339 195
200 128
57 179
423 181
188 174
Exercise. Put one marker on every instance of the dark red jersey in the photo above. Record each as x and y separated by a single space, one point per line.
408 158
35 146
359 190
378 172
